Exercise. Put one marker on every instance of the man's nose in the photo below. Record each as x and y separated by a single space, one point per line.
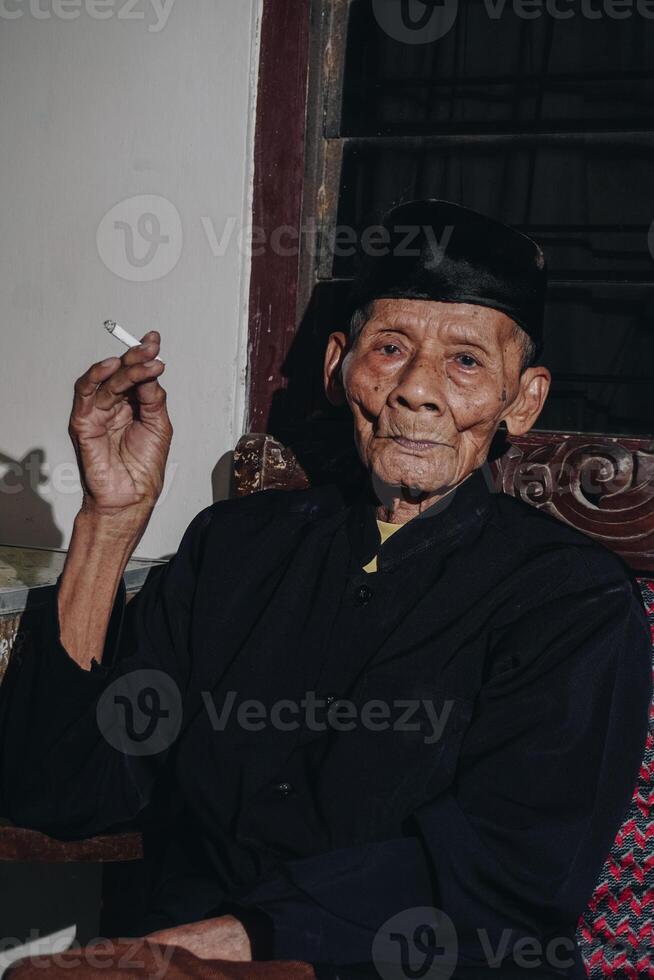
419 388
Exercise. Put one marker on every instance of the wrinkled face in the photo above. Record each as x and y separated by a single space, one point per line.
428 384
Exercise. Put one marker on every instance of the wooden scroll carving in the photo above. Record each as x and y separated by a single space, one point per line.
601 485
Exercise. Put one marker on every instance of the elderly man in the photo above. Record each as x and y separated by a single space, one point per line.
395 731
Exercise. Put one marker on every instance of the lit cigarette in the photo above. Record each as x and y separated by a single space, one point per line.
121 334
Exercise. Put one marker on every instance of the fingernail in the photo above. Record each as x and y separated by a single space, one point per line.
107 361
152 362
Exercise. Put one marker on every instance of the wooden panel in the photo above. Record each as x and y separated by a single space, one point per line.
278 177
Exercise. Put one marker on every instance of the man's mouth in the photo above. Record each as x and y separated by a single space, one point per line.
416 443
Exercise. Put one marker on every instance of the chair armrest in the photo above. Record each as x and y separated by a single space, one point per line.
19 844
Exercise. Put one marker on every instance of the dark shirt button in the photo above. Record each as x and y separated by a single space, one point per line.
284 789
363 595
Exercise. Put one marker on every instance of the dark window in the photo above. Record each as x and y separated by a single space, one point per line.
545 121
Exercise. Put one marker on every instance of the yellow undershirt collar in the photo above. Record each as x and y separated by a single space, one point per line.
385 530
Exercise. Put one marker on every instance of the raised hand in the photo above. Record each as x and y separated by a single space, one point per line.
121 431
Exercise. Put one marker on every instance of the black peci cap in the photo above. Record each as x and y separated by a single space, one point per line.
432 249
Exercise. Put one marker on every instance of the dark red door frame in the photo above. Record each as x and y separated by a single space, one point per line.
279 165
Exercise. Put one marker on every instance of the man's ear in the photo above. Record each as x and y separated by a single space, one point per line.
528 403
337 348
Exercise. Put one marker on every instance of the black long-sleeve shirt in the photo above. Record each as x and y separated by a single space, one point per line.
460 731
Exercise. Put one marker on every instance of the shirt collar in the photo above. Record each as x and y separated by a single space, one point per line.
442 526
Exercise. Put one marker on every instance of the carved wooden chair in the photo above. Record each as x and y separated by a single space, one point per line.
602 485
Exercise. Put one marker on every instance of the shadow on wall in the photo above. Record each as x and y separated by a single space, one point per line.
26 517
222 478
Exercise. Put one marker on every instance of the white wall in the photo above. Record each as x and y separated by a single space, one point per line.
153 107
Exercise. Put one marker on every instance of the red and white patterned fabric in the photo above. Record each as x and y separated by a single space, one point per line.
616 933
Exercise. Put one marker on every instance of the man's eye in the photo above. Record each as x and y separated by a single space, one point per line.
470 360
389 348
